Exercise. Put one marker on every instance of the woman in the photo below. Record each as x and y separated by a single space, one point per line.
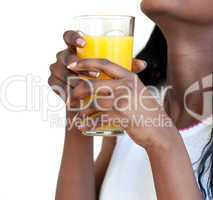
150 162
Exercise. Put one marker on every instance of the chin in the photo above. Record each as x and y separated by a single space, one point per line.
154 7
163 10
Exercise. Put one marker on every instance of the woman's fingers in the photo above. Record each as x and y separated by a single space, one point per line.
73 39
102 104
87 88
60 72
59 69
97 95
61 79
58 86
138 65
88 112
103 65
65 57
99 65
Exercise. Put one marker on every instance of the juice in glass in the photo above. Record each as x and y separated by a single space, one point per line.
117 49
107 37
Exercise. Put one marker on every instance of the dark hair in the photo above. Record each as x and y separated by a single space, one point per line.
155 54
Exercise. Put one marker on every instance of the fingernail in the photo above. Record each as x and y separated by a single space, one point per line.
145 64
72 65
80 42
94 74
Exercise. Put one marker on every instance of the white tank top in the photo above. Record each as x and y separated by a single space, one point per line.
129 175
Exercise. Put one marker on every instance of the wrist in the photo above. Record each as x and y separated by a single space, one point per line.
156 131
71 121
163 140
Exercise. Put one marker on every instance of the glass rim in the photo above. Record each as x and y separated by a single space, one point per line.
109 17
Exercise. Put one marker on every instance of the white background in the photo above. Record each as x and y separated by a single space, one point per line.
30 35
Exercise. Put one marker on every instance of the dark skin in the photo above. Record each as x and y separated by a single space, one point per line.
75 170
189 38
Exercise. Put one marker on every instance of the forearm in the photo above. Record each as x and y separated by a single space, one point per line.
172 169
103 160
76 177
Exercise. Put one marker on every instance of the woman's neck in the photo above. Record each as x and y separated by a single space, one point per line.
190 58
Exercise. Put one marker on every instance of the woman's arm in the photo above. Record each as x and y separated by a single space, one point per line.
103 160
78 173
76 177
172 169
79 177
171 166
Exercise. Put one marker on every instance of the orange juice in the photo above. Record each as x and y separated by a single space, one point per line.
117 49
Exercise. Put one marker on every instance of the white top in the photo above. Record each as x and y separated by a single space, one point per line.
129 175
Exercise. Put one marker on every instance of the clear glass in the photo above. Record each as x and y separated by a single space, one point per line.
109 37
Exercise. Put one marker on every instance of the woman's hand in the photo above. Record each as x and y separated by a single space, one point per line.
73 180
60 75
121 100
63 80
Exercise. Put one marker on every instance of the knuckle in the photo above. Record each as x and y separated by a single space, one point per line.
104 61
64 57
52 67
129 81
58 87
65 34
70 37
133 75
83 62
59 55
50 81
71 57
54 84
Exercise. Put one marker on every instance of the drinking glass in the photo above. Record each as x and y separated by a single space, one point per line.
107 37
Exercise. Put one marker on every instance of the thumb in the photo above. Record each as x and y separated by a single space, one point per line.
138 65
